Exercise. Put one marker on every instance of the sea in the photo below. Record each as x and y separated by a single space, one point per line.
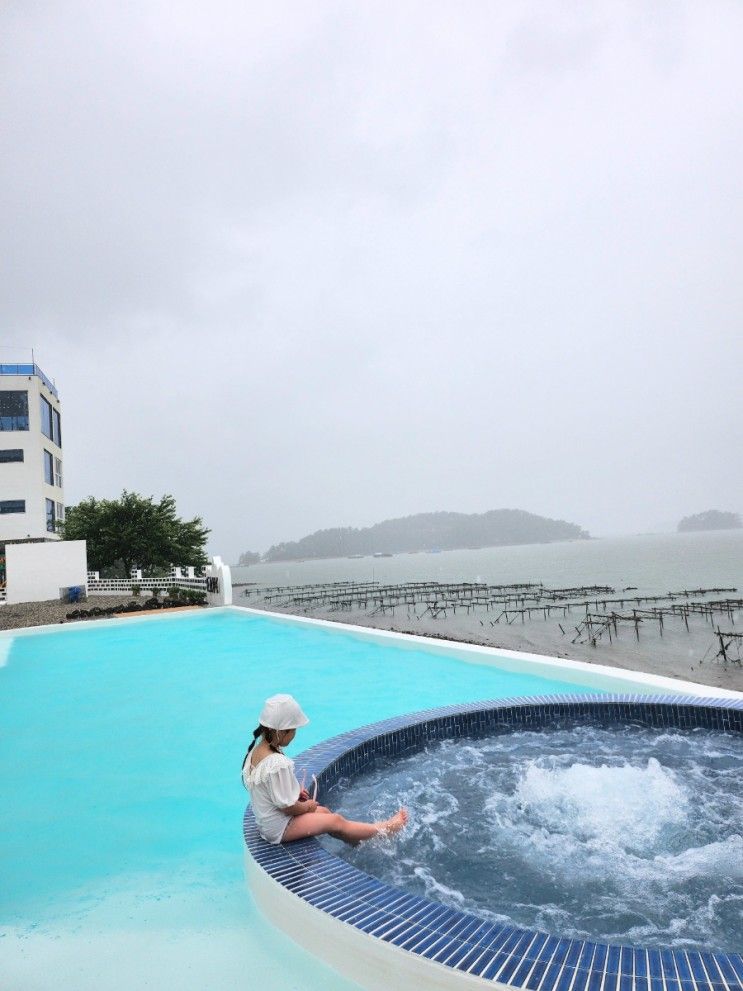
655 563
652 564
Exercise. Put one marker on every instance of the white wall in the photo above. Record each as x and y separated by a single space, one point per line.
36 572
222 572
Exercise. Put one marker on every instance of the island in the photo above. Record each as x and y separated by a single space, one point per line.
711 519
429 532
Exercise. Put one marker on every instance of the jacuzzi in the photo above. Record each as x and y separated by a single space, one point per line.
384 936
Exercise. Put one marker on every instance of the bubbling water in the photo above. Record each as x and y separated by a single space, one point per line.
625 834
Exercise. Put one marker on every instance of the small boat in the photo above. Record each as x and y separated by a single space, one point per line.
381 554
355 557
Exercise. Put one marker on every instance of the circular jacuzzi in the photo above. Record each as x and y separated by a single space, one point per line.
571 843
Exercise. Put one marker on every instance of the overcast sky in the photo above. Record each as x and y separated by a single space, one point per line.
317 264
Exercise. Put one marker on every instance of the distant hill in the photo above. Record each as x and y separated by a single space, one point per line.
712 519
428 532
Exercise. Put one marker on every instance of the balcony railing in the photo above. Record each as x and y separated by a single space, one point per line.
29 370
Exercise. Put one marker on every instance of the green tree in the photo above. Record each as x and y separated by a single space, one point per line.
135 530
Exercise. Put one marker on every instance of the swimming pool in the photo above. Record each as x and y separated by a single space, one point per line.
120 799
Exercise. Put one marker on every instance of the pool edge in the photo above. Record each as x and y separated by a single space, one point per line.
583 673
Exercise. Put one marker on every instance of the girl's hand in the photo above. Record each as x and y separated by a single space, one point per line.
312 805
303 795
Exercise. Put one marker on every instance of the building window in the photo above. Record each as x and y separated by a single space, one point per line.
57 427
13 410
46 419
58 472
60 512
13 506
50 515
48 468
51 422
12 454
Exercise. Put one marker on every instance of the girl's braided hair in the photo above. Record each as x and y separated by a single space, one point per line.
267 733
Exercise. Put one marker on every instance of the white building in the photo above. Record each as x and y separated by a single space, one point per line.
31 493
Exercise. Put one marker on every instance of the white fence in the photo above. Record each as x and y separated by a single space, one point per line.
123 586
217 583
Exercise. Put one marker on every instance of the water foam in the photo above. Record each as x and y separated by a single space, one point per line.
609 834
625 806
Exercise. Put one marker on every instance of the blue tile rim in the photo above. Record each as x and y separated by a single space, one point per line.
460 940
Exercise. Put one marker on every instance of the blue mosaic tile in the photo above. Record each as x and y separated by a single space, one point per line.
494 967
482 964
627 961
516 957
713 971
736 962
557 964
725 964
612 959
375 919
462 931
682 968
492 951
565 980
580 979
595 981
698 970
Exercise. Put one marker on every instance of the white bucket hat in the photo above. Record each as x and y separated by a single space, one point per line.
282 712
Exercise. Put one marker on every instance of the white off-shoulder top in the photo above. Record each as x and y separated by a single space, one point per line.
273 786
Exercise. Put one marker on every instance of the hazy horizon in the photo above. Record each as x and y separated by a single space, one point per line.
671 527
307 266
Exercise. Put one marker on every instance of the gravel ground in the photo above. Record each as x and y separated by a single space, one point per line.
14 617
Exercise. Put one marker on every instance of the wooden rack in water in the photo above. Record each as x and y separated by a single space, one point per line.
604 612
731 647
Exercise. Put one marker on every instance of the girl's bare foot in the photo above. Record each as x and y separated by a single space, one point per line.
393 825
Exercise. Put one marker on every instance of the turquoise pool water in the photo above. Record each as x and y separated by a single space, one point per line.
120 796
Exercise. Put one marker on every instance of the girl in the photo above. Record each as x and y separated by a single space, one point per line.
283 810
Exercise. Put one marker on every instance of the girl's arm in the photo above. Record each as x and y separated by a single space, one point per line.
301 807
284 787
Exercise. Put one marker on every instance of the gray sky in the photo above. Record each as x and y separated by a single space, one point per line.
317 264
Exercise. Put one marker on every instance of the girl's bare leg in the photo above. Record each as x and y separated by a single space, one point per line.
334 824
